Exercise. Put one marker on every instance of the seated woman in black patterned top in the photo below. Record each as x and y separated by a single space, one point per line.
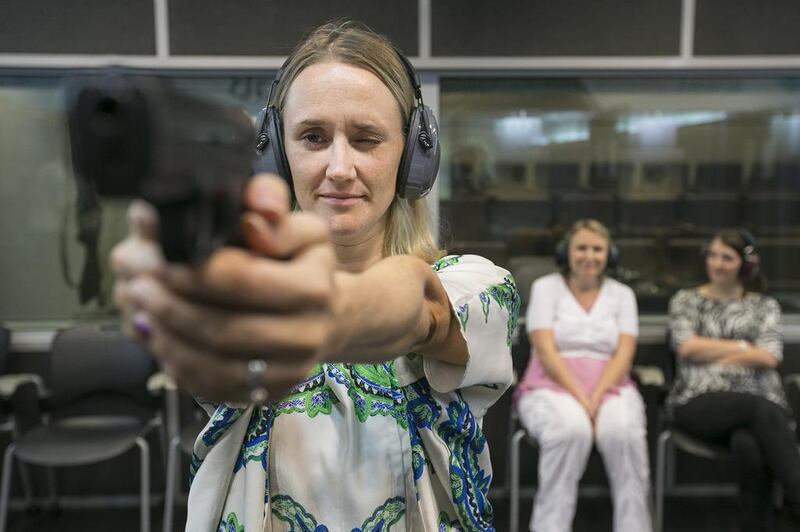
728 340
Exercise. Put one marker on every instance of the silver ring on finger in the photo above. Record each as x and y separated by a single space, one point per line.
256 373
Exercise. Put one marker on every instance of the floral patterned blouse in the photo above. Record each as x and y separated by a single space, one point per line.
755 318
368 447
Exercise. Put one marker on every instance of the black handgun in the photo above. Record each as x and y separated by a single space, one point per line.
133 135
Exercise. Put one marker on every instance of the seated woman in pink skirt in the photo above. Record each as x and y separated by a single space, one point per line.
577 392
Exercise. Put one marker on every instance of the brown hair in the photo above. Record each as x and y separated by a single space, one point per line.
408 224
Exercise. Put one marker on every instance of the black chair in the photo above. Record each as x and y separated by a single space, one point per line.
672 439
99 408
186 419
9 384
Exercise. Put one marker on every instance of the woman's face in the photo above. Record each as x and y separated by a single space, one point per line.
588 254
722 263
343 135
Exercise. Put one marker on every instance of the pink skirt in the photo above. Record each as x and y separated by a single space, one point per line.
586 370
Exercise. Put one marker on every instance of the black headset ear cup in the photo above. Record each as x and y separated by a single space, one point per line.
751 261
270 155
751 266
419 163
561 254
613 257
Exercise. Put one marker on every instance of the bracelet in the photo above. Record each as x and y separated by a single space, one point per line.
742 344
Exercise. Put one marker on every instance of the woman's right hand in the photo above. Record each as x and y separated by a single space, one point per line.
205 324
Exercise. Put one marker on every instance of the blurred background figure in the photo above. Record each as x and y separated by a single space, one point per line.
576 391
728 341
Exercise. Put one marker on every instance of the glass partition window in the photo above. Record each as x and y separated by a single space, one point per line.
46 273
663 162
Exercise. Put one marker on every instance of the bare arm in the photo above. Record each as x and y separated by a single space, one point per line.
619 366
396 306
728 352
706 350
751 356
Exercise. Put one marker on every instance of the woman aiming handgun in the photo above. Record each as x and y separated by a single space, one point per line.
344 360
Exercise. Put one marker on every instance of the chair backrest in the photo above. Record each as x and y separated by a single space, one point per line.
5 348
96 370
670 368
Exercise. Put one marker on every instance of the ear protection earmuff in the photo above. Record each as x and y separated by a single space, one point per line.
270 155
419 162
751 260
561 255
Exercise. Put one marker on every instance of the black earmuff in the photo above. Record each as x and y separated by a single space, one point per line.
751 260
419 163
561 255
270 155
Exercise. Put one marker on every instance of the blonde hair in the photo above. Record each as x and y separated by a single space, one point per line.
590 224
408 223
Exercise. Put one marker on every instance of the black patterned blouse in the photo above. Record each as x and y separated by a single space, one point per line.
755 318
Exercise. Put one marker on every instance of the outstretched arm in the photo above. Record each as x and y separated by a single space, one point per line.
397 306
281 301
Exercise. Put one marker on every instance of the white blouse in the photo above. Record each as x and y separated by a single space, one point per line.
593 334
393 446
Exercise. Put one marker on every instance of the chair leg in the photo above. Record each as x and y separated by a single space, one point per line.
145 484
27 484
51 488
163 438
661 465
5 486
514 493
510 430
173 459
